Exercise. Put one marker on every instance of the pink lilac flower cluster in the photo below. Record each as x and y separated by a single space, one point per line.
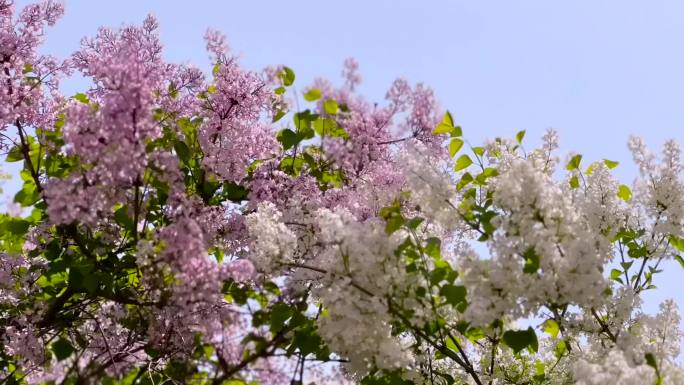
28 80
233 134
115 139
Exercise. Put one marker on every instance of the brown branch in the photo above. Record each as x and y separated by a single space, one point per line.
604 327
27 155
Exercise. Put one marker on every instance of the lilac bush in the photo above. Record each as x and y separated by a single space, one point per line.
182 227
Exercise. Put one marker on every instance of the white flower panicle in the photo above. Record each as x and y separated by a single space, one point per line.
543 251
273 243
613 369
432 188
363 273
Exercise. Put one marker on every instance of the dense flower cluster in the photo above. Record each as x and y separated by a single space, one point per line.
29 81
182 227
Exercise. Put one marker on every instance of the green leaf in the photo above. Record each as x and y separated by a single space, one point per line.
234 382
446 126
28 67
394 223
680 260
465 180
280 313
615 275
519 136
539 370
287 138
479 150
287 76
388 211
610 163
328 127
90 282
292 165
17 226
487 173
81 97
121 217
15 154
574 182
452 344
560 349
433 247
59 122
234 192
216 68
652 362
442 129
521 339
28 195
475 334
531 261
551 327
677 243
279 90
182 150
454 294
624 193
590 169
307 340
312 95
455 145
62 349
415 222
330 106
442 272
574 163
462 162
448 119
278 115
302 120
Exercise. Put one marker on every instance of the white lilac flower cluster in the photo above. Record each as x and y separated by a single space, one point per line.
553 244
543 251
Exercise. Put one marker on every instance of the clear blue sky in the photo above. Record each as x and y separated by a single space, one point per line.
597 71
